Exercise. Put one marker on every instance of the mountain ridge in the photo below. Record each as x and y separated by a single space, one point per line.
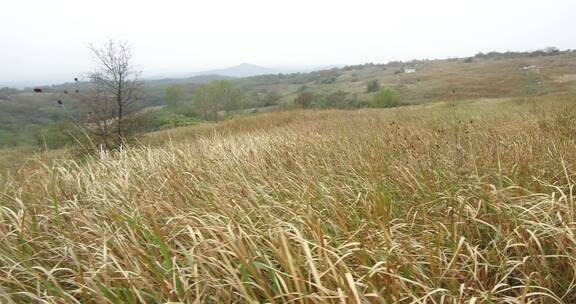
240 70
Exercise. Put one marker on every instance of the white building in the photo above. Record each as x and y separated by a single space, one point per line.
409 69
528 68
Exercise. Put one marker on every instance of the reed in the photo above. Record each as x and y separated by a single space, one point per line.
443 203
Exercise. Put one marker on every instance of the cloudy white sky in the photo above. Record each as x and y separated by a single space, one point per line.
45 41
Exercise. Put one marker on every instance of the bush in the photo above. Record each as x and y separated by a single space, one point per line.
179 120
269 99
163 119
386 98
372 86
339 99
305 99
57 135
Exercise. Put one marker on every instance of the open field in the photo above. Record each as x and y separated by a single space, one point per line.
470 202
33 119
13 159
436 79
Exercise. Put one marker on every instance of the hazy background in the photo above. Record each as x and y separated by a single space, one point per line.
45 41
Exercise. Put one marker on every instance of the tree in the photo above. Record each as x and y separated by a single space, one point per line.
264 98
115 80
372 86
228 95
215 96
99 114
551 50
304 99
271 99
339 99
386 98
202 101
175 97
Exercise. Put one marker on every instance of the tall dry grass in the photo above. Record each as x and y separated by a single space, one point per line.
467 203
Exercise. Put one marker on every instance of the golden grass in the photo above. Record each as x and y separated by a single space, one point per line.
445 203
482 78
12 159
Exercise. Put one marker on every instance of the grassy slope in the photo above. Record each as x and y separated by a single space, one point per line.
441 202
435 80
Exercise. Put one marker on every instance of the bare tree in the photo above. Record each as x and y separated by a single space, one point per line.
115 78
106 98
99 115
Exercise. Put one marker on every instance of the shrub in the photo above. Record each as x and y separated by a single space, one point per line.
372 86
179 120
386 98
305 99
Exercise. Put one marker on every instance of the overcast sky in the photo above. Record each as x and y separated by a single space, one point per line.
46 41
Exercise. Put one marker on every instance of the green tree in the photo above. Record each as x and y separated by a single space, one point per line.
231 97
215 96
176 97
386 98
223 96
202 101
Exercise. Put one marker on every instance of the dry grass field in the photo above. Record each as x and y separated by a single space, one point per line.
436 79
437 203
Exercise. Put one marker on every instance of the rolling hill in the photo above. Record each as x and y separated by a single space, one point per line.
448 79
241 70
493 75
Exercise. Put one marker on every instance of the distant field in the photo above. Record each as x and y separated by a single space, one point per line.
30 119
453 202
434 80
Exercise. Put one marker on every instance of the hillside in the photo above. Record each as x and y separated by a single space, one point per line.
451 79
462 202
31 119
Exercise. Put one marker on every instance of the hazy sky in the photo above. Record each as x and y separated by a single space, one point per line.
47 40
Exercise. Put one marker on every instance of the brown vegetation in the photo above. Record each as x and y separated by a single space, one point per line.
468 202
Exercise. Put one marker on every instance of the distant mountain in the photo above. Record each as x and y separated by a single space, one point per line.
204 78
241 70
24 84
237 71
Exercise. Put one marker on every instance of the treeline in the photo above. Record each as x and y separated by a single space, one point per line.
214 101
189 105
104 111
549 51
41 121
6 92
317 77
383 98
222 99
28 120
